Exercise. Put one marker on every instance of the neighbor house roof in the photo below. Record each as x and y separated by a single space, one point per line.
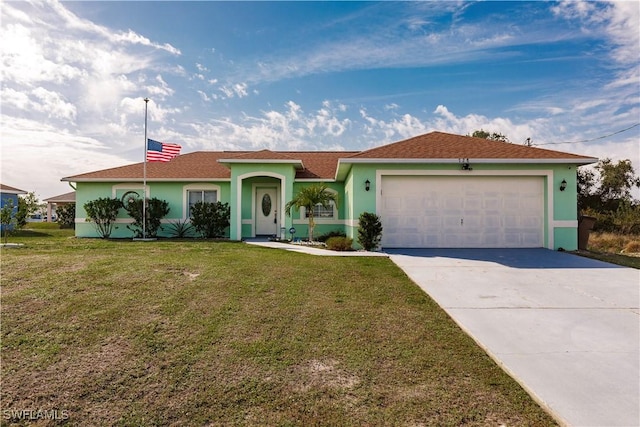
11 190
433 147
62 198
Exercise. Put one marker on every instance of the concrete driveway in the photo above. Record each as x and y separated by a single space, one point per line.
565 327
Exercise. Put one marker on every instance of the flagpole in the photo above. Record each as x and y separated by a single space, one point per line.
144 179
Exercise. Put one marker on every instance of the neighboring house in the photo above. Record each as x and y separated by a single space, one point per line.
54 202
433 190
10 193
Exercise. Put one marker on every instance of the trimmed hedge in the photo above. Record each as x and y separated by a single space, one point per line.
340 243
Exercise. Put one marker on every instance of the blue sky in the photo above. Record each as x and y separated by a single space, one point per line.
308 76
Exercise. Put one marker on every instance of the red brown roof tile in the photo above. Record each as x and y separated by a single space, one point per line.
440 145
197 165
322 165
62 198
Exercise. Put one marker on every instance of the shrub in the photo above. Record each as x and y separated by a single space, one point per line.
7 219
102 212
66 215
180 229
156 210
369 231
210 219
339 243
627 217
335 233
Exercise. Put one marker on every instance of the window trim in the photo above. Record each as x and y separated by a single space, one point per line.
196 187
321 219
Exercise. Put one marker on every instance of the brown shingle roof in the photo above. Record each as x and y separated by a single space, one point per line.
206 165
319 164
440 145
197 165
66 198
11 190
260 155
211 165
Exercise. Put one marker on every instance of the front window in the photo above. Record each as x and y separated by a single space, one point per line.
195 196
320 211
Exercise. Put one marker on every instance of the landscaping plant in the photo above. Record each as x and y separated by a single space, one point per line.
308 198
102 212
369 231
27 206
7 219
340 243
210 219
180 229
156 210
67 215
334 233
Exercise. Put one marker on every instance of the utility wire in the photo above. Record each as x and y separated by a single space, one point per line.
590 140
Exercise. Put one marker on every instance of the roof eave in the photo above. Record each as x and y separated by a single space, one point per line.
131 179
580 161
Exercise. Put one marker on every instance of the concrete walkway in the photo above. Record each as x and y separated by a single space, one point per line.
566 328
310 250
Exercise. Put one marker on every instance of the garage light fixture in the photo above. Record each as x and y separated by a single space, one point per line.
563 185
367 185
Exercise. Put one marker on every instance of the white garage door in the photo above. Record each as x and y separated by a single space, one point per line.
462 212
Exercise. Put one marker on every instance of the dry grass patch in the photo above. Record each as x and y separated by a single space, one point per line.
203 333
614 242
621 249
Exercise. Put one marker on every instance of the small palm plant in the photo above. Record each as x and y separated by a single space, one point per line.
308 198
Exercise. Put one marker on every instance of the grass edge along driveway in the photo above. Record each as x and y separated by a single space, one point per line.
204 333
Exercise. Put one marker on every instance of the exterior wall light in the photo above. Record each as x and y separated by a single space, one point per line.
367 185
563 185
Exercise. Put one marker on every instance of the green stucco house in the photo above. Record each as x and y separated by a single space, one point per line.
436 190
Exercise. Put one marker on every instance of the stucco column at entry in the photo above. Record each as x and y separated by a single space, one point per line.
285 194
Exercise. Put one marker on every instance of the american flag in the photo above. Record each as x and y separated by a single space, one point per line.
161 151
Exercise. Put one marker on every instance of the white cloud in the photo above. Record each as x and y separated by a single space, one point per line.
240 89
73 89
54 104
204 96
24 60
40 100
617 21
228 92
49 154
72 21
235 90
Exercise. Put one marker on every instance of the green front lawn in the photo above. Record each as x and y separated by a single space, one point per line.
209 333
